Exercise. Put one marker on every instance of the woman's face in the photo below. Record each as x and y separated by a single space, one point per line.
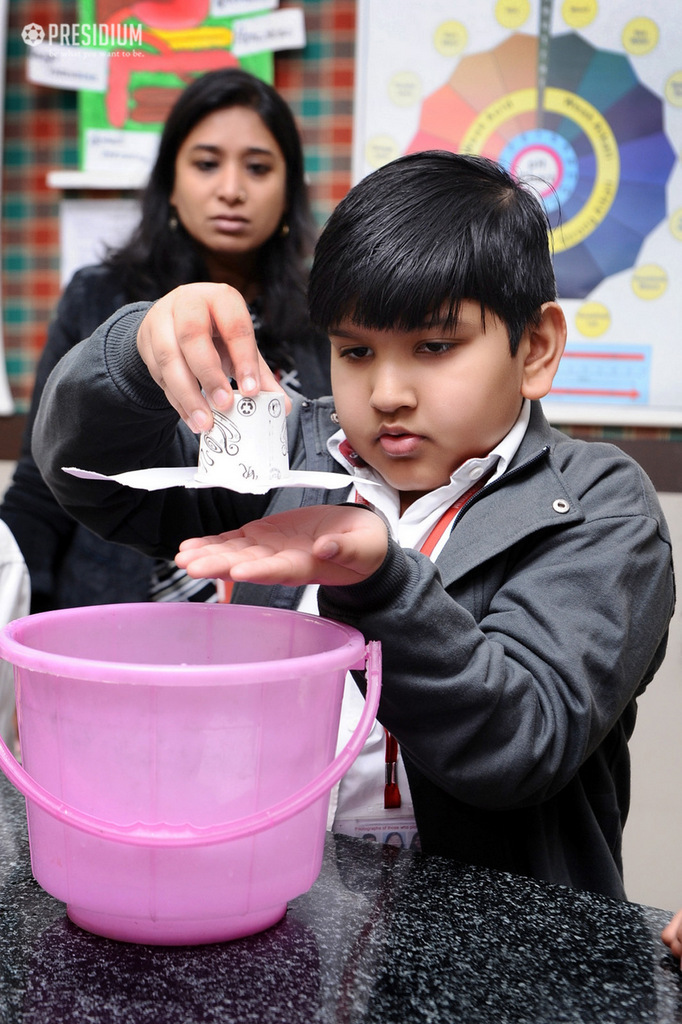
230 184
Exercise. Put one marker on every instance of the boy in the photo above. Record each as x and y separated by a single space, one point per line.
515 641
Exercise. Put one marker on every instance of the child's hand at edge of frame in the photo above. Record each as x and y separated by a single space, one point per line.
672 935
333 545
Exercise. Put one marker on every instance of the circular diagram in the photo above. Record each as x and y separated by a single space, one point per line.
548 159
589 138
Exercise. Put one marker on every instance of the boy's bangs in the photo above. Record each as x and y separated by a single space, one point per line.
404 293
381 304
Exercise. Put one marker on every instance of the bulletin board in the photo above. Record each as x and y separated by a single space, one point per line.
583 99
164 48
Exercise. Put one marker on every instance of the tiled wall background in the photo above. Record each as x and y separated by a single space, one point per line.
41 135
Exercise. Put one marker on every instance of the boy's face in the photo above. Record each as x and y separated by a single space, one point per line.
417 404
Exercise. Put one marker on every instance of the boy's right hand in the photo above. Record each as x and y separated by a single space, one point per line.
197 337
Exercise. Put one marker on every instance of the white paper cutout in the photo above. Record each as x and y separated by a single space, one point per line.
245 450
185 476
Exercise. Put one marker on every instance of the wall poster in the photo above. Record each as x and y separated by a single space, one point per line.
152 53
582 98
130 62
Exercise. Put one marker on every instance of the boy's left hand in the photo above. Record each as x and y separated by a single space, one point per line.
333 545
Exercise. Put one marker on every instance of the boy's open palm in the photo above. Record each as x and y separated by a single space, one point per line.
335 545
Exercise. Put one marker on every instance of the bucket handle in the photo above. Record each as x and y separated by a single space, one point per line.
165 835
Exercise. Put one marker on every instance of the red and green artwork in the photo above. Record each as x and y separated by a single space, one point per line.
156 48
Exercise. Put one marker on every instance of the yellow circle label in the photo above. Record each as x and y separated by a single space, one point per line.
579 13
512 13
380 150
649 281
592 123
675 223
450 38
592 319
405 89
673 89
640 36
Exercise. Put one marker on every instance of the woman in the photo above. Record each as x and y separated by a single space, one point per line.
226 201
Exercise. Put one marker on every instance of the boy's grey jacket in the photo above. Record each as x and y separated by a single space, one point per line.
511 665
57 551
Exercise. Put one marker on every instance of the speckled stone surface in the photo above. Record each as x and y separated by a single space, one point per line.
383 937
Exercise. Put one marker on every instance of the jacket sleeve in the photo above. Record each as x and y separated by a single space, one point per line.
43 530
500 701
102 411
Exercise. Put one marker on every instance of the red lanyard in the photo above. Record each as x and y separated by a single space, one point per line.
441 526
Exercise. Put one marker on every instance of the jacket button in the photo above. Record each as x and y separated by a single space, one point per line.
560 505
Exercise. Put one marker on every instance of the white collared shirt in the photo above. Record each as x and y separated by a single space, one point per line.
357 803
414 526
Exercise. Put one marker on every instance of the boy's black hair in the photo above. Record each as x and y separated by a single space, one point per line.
426 231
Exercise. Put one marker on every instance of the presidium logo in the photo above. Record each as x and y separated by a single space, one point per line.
82 35
32 34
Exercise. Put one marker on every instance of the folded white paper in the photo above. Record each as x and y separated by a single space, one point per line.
245 451
185 476
247 443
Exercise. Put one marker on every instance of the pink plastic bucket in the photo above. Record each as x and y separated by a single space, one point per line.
177 760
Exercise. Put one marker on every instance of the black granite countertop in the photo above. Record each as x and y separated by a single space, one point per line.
383 937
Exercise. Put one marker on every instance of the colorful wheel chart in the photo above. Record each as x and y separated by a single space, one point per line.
589 137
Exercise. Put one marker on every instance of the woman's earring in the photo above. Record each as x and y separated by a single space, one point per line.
284 230
173 222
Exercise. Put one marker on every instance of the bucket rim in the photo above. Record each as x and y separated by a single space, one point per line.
160 834
349 652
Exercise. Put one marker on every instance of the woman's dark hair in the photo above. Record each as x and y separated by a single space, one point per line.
426 231
157 258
